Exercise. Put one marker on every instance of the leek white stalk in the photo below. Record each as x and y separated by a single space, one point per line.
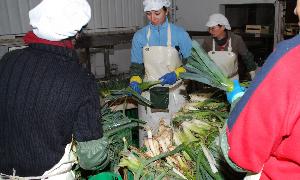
176 137
181 161
153 144
211 160
131 161
179 173
149 153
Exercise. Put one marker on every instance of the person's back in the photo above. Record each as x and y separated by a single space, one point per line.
41 88
263 130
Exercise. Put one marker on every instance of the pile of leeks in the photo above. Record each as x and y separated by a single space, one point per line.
186 150
116 124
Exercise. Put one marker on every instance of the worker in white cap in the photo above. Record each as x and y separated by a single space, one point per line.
224 47
49 105
156 55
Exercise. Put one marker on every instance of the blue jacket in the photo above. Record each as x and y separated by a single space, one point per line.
158 37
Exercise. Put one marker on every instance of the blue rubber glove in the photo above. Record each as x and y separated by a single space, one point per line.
169 78
237 91
135 86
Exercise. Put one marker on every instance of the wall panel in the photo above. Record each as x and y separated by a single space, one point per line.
107 15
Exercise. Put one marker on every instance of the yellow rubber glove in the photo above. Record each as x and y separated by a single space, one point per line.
137 79
179 70
134 84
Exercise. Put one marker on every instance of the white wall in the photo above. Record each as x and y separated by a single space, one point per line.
107 15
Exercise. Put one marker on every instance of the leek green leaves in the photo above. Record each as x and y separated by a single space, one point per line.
201 68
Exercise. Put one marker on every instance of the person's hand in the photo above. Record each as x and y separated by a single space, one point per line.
135 86
169 78
93 154
236 92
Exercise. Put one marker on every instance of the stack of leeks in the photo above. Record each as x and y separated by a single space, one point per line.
158 159
202 69
117 125
183 151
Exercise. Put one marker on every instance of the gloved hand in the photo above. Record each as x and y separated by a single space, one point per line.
93 154
134 84
237 91
170 78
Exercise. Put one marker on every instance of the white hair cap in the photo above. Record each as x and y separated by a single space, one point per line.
55 20
218 19
154 5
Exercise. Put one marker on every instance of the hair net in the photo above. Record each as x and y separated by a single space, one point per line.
216 19
155 5
56 20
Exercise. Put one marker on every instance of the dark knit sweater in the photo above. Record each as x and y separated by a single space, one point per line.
45 97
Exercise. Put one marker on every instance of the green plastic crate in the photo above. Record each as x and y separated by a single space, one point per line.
105 176
110 176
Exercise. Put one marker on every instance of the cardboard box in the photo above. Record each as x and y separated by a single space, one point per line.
257 29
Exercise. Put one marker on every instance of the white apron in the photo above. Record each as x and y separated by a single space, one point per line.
159 60
63 169
226 60
60 171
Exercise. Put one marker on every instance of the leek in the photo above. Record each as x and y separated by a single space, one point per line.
202 69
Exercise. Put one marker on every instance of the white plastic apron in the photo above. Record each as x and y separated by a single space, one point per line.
60 171
63 169
159 60
226 60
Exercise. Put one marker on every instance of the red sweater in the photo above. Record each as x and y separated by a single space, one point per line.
264 127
